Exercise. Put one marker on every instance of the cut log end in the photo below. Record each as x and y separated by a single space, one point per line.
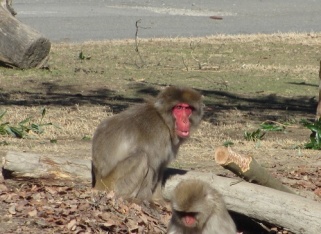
7 5
37 54
221 155
224 156
21 46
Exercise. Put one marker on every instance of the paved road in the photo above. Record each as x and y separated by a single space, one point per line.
82 20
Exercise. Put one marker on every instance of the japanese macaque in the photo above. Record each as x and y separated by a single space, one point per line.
131 149
199 209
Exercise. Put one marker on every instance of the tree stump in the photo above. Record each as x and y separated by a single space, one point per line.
20 45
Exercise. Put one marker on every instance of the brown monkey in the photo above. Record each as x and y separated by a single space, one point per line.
199 209
131 149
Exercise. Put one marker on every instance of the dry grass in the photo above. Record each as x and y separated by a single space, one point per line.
71 125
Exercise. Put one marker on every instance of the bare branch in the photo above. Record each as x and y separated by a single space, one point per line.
137 44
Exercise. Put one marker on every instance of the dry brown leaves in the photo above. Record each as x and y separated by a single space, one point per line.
61 208
307 179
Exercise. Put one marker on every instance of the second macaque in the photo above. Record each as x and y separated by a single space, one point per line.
199 209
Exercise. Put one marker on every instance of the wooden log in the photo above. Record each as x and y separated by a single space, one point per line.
16 164
246 167
20 45
298 214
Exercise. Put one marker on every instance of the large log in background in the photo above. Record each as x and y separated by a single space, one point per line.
20 45
296 213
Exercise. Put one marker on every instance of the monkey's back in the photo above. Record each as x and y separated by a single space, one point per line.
137 129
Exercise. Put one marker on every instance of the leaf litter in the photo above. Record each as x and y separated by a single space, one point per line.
63 207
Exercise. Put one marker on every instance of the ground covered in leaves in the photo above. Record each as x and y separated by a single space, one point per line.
39 207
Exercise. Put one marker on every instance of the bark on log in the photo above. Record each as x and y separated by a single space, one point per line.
16 164
298 214
248 168
20 45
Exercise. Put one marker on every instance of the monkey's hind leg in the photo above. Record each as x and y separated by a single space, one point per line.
130 178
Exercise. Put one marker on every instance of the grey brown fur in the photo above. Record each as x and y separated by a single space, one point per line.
131 149
199 198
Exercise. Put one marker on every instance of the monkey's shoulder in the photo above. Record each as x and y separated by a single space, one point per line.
139 120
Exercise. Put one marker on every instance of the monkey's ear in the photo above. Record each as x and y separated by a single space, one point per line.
159 104
163 105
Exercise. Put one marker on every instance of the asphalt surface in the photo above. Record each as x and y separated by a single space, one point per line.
83 20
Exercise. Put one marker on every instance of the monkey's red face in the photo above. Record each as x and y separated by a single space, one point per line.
181 113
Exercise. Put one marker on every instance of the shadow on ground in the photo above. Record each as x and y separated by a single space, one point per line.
216 100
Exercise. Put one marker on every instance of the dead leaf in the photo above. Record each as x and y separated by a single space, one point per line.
109 223
21 206
144 218
33 213
110 195
12 209
3 188
132 225
136 207
105 216
36 196
72 224
51 190
318 192
83 206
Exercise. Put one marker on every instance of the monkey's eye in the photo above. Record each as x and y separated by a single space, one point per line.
183 214
183 107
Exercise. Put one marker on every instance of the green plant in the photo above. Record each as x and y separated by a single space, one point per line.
4 143
24 127
228 143
315 136
86 138
270 126
266 126
81 56
54 141
254 136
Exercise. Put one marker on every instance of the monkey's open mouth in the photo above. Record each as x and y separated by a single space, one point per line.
182 134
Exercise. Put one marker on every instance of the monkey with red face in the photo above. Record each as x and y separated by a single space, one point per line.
199 209
131 149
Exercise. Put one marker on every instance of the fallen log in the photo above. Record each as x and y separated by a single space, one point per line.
246 167
20 45
297 214
26 165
